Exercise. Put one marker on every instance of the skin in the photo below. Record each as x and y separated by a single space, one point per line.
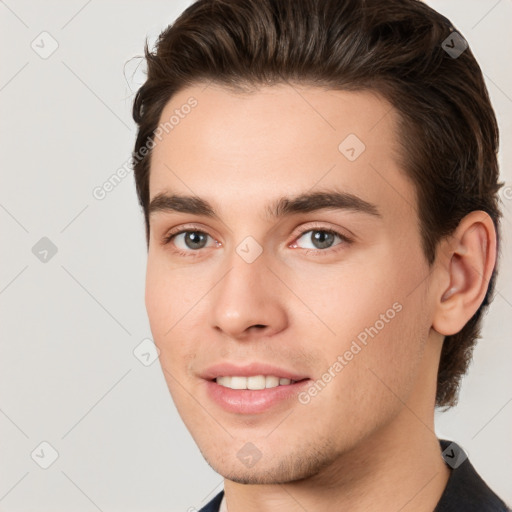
366 441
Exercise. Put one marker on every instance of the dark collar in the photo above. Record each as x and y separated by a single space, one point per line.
213 506
465 490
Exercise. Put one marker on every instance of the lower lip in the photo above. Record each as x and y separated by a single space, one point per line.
249 401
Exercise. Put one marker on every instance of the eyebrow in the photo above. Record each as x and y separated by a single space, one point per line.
284 206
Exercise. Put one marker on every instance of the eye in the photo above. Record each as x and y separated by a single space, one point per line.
187 241
322 239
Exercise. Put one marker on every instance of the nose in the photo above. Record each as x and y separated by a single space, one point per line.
249 300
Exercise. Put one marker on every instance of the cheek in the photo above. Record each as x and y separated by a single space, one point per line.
375 380
165 308
158 301
176 317
349 299
164 311
169 294
378 333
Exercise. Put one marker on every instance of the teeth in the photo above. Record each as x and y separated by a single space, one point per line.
238 382
256 382
271 381
253 382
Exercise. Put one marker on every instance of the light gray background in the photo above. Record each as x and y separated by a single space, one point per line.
68 375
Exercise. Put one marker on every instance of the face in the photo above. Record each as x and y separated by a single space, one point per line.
291 331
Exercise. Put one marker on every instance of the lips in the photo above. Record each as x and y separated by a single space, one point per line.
253 388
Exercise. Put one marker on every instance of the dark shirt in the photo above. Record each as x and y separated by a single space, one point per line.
464 492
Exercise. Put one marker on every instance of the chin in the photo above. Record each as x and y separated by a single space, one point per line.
262 476
289 467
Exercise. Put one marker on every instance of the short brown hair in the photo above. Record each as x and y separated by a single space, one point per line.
448 130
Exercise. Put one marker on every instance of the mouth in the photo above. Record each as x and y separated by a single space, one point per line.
253 388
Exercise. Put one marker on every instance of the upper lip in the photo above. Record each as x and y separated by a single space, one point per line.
248 370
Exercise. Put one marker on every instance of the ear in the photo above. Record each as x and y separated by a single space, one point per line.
466 266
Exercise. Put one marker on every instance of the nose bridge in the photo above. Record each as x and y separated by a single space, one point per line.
246 296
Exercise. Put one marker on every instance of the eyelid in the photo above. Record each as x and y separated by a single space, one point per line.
345 234
166 237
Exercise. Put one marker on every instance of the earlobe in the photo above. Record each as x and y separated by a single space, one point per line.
470 263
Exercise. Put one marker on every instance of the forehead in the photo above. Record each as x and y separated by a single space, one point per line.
244 149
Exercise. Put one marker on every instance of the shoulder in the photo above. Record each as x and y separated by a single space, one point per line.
465 491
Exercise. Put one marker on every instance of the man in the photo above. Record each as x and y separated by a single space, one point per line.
319 183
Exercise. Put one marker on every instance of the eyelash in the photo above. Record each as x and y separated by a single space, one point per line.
316 252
